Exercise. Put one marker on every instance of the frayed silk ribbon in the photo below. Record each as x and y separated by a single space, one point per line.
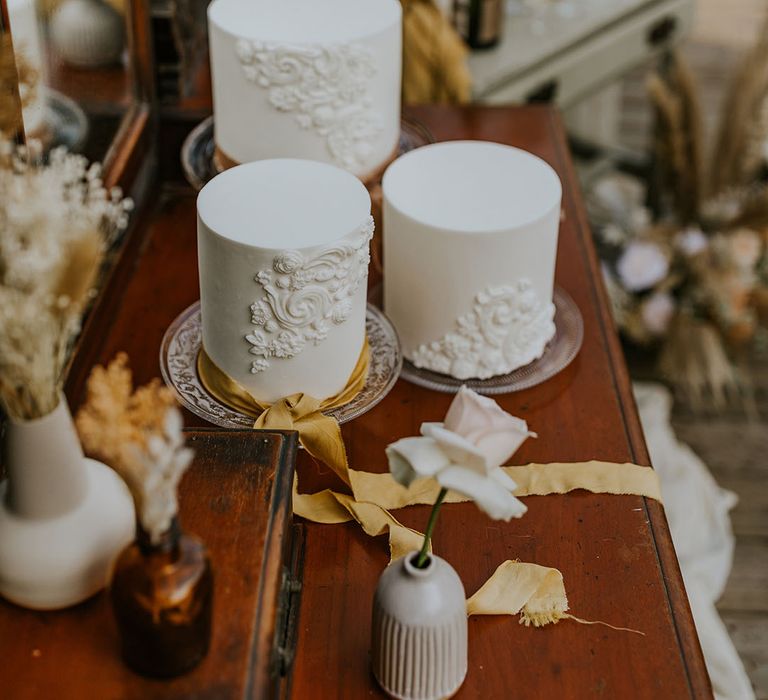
536 592
319 434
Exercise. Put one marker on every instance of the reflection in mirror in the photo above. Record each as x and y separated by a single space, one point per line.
10 101
75 79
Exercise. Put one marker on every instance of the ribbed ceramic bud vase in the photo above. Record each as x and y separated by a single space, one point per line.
419 632
63 517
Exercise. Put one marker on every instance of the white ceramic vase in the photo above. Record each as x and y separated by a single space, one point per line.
419 631
63 517
87 33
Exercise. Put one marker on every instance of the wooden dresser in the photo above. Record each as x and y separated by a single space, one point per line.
615 552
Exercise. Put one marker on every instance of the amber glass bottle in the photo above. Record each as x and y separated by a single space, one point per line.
162 596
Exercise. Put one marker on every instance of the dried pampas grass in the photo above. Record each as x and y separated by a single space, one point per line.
738 152
434 57
56 222
139 434
678 143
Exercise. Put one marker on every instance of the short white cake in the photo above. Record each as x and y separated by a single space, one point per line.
25 31
309 79
470 241
283 275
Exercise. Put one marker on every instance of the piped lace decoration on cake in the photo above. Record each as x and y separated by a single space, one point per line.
507 328
305 297
327 86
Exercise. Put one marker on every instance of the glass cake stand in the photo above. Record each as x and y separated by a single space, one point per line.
65 123
198 150
559 353
178 364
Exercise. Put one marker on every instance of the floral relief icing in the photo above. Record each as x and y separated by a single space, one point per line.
327 88
305 297
508 327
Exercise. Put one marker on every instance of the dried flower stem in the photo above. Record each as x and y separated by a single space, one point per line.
139 434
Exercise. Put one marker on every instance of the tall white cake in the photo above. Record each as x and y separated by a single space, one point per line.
470 240
307 79
283 251
28 47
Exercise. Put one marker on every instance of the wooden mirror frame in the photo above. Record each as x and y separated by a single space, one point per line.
131 151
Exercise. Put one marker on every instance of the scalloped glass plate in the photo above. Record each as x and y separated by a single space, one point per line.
178 364
199 147
559 353
66 123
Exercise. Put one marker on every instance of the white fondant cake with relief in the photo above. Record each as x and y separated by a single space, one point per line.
307 79
470 241
283 275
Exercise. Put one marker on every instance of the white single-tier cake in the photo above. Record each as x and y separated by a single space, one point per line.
306 79
28 47
470 240
283 250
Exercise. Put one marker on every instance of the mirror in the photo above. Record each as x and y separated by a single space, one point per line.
76 78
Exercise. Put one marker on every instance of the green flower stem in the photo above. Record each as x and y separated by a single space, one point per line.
424 553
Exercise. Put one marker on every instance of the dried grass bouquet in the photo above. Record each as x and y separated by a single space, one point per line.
686 263
56 222
139 434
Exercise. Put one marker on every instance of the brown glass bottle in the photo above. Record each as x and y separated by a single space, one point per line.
479 22
162 596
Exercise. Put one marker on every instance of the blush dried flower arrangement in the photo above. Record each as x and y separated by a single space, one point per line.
57 220
685 256
139 434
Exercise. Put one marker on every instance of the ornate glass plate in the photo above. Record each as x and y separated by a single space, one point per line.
198 149
178 364
66 123
559 353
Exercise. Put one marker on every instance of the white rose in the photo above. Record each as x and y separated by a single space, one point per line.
618 193
642 265
496 433
639 218
657 311
745 248
465 452
691 241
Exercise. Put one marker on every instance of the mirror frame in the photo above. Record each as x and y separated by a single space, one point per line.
133 142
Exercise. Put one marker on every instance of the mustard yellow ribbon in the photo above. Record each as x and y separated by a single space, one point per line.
318 433
374 495
536 592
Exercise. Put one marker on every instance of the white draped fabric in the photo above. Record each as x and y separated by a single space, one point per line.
697 511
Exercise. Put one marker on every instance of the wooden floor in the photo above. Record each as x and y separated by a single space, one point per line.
736 451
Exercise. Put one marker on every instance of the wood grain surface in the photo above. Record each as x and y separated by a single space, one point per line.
236 497
614 551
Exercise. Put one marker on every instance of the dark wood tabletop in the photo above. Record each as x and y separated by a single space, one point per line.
615 552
